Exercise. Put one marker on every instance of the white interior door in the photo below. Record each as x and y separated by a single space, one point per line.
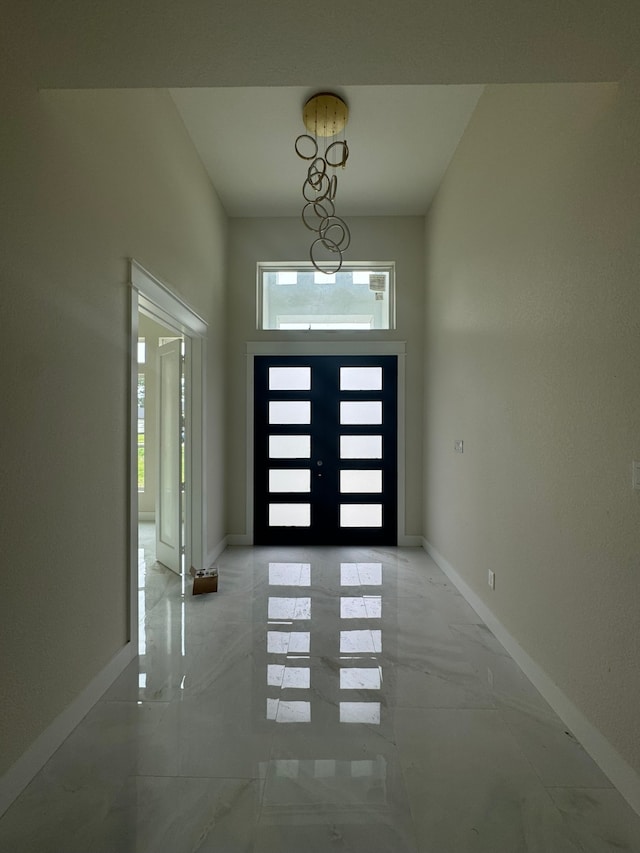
169 498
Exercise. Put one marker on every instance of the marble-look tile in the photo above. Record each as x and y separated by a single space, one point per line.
471 789
440 682
425 665
148 680
113 741
321 795
451 605
502 677
353 832
600 819
54 815
180 815
67 801
557 757
219 733
324 699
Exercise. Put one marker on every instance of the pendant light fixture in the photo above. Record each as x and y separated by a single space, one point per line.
325 117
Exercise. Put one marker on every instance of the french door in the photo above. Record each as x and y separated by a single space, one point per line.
325 450
169 504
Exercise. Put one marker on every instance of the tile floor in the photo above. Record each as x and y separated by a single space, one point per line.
323 700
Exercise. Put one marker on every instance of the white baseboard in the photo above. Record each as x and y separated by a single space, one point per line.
407 540
621 774
16 779
146 516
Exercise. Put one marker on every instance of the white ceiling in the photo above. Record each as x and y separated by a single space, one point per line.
401 139
192 43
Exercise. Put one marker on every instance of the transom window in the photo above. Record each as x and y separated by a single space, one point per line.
295 297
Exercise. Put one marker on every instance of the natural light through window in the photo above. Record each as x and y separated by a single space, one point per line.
361 297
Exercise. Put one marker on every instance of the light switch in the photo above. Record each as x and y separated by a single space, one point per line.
458 445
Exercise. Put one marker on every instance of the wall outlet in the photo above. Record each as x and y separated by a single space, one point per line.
458 446
491 580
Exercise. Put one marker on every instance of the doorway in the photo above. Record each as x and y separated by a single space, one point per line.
185 333
325 450
161 441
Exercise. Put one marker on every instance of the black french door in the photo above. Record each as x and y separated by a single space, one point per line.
325 450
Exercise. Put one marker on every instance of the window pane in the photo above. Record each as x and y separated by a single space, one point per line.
289 446
361 447
324 278
365 412
360 515
290 412
289 378
352 298
289 515
360 378
290 480
361 481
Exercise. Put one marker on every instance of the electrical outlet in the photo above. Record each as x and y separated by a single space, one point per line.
491 580
458 446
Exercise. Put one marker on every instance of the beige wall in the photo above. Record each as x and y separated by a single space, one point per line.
88 180
397 239
533 317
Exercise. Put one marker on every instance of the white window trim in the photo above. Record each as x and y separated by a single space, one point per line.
273 266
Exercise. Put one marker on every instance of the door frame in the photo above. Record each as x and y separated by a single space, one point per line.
158 300
397 348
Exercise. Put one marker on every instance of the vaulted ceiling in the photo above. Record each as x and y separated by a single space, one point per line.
401 139
411 71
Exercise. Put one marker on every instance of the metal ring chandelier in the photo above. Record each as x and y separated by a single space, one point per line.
325 117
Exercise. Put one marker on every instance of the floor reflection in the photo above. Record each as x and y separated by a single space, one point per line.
324 699
288 614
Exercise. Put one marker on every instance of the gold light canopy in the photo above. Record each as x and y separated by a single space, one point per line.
325 115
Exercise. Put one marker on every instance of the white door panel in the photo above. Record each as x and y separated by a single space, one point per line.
169 498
